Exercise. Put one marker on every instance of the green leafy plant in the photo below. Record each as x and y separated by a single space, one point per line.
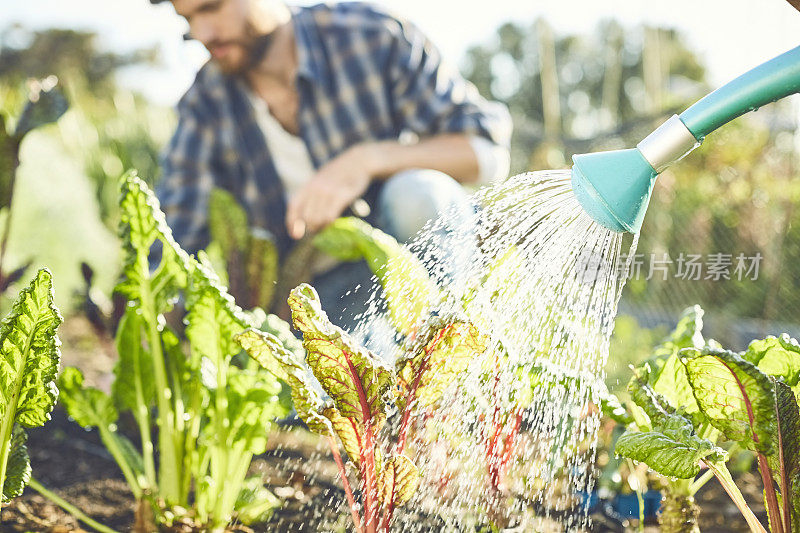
211 416
411 296
248 255
29 360
691 397
362 389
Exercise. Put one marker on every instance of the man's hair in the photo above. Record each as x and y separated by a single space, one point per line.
158 1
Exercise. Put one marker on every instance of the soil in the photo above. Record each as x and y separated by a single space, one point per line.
297 467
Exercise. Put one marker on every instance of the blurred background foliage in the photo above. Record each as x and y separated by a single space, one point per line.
567 94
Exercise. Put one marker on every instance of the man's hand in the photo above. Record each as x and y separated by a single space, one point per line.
334 187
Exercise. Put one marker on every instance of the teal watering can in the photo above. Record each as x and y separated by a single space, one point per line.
614 187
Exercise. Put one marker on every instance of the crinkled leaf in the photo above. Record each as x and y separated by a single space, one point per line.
671 448
737 397
213 320
408 288
142 224
255 504
29 356
271 355
779 357
252 406
398 480
18 469
283 331
261 268
672 451
786 461
348 431
227 222
134 370
613 409
688 333
356 379
89 407
440 353
667 375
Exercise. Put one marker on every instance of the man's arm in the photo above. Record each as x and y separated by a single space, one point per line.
461 134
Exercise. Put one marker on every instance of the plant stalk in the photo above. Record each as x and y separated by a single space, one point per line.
169 480
68 507
724 477
347 490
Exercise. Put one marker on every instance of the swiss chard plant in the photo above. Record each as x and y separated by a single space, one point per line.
200 417
411 296
248 255
29 361
691 398
344 392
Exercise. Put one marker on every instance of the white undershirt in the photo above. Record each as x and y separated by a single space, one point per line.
293 162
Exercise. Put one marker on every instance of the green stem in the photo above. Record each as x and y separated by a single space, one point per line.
109 439
699 482
639 495
724 476
169 479
142 416
180 428
68 507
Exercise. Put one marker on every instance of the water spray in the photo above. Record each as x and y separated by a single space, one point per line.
614 187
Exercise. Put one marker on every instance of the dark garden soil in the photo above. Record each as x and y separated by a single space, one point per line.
73 463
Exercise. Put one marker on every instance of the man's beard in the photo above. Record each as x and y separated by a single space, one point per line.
255 48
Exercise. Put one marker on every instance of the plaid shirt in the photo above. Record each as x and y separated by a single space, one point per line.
363 75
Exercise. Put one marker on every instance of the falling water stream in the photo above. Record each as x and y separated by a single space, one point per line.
514 439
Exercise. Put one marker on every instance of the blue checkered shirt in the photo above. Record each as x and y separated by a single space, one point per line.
363 75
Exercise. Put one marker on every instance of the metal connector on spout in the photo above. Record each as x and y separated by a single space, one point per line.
670 142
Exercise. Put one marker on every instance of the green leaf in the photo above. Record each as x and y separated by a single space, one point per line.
261 268
18 472
667 375
271 355
408 288
255 504
737 397
350 434
29 356
142 224
89 407
398 480
613 409
785 464
227 223
133 372
671 448
283 331
252 406
356 379
441 352
779 357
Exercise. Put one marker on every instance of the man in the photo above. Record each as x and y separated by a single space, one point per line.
300 114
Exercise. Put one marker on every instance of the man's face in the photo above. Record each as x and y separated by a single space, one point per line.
227 28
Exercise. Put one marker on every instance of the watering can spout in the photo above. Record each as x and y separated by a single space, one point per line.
614 187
